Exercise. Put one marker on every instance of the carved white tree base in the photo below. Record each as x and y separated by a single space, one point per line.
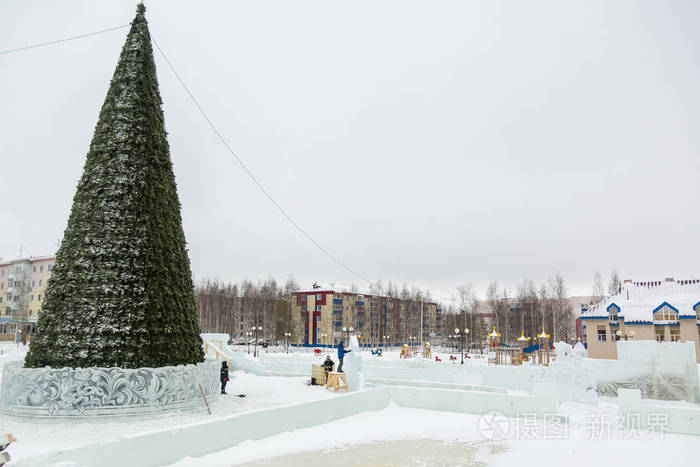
88 392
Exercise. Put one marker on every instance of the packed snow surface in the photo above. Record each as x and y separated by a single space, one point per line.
36 437
392 436
402 436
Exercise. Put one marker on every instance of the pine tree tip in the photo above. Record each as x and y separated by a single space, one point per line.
140 8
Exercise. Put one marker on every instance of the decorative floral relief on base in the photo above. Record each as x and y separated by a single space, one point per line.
667 386
85 392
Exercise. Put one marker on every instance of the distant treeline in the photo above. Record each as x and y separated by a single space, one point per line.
526 309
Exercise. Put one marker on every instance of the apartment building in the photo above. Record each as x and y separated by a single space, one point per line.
22 291
322 316
662 311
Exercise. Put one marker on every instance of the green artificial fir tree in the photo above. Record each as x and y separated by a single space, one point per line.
121 291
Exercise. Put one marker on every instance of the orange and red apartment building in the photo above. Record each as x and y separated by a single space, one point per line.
321 316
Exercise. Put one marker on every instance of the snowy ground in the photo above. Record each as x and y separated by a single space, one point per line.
402 436
39 436
389 354
393 436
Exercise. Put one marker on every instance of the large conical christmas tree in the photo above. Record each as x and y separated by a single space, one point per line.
121 291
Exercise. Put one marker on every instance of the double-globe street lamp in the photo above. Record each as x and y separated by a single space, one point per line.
386 340
287 336
462 336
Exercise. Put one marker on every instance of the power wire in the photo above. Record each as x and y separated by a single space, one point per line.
250 174
34 46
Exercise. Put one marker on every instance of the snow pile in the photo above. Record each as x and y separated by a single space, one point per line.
570 373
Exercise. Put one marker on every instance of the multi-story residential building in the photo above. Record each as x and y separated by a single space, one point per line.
22 287
664 311
321 316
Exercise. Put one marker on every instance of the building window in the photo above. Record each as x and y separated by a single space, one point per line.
31 297
675 334
34 269
39 297
33 284
319 296
41 268
665 313
601 333
49 267
40 282
659 334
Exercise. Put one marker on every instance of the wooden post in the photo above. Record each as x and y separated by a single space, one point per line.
205 399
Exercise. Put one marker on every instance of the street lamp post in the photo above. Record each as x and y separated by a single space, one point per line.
461 340
247 339
287 336
466 333
457 336
256 329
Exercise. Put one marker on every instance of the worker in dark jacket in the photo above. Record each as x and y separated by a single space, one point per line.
341 353
224 376
328 366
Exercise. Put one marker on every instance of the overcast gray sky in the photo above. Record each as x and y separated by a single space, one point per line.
427 142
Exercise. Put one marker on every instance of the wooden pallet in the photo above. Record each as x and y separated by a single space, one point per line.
336 381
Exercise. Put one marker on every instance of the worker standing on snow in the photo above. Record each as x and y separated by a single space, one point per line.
341 353
328 365
224 376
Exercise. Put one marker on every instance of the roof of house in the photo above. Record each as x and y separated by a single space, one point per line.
637 301
31 259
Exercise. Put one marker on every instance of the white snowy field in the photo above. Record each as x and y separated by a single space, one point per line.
36 436
392 436
403 436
